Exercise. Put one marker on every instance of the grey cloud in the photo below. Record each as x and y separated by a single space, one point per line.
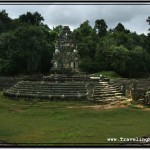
65 14
15 10
132 17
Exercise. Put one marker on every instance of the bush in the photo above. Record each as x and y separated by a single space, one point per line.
109 74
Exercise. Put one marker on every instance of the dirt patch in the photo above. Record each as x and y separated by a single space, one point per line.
111 105
18 109
107 106
139 106
146 109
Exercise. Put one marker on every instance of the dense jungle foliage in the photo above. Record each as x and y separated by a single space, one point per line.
27 46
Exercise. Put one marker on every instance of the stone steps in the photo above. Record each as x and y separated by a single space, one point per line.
110 99
43 92
104 91
105 86
46 96
108 95
48 93
34 89
67 79
49 85
49 88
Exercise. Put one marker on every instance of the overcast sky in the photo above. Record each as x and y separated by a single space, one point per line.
133 17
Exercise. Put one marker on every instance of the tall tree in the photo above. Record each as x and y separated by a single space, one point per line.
117 57
82 38
137 63
5 21
101 27
31 18
58 29
120 28
148 20
25 49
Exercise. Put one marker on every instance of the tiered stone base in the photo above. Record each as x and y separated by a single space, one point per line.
48 90
66 87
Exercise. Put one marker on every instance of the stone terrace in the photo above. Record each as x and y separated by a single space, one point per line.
65 87
48 90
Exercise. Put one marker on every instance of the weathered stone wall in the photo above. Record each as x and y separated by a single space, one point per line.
137 89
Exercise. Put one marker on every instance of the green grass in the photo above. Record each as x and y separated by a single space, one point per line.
109 74
54 124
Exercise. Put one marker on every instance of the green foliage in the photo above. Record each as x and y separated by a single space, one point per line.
101 27
87 65
117 56
24 50
86 40
58 29
123 52
112 56
109 74
121 28
31 18
138 61
27 46
5 22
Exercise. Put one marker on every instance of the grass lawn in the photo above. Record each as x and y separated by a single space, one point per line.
57 124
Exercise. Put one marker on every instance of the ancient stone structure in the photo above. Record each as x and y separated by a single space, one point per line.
66 55
136 90
66 87
106 91
48 90
65 80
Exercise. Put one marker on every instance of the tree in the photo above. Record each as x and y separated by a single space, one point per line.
119 28
10 58
58 29
87 65
25 49
121 38
85 28
31 18
117 57
137 63
110 56
148 20
5 21
83 31
101 27
83 38
147 41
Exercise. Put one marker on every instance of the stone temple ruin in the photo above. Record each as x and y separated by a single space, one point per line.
66 55
65 80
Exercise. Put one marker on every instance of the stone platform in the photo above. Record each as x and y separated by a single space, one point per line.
48 90
53 87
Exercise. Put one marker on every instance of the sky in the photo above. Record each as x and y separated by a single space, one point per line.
133 17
